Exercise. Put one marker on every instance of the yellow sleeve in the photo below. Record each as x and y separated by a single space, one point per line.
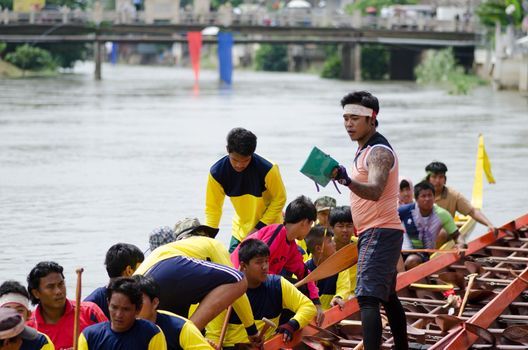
219 253
158 342
343 285
277 194
83 344
192 339
49 345
214 201
297 302
243 310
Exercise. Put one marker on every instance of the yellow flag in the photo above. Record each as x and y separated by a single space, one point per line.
486 164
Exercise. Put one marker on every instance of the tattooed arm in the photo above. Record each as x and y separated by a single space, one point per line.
380 161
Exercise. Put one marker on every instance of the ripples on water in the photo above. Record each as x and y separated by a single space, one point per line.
86 164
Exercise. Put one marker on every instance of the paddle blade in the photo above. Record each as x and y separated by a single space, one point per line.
337 262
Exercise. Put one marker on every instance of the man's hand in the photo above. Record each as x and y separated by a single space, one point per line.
287 331
341 176
256 341
338 301
319 318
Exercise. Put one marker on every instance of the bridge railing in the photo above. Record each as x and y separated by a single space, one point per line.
129 15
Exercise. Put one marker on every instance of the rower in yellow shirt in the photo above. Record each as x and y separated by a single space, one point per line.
201 269
268 295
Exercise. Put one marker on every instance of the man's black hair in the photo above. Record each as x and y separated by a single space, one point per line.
340 214
241 141
121 255
252 248
363 98
404 184
316 237
436 168
147 285
423 186
14 287
126 286
301 208
41 270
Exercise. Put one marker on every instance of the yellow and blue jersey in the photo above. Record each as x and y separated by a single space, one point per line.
143 335
267 300
257 194
42 342
180 333
338 285
203 248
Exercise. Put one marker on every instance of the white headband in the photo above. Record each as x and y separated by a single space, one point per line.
354 109
14 298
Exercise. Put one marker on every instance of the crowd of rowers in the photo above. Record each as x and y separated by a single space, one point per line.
177 296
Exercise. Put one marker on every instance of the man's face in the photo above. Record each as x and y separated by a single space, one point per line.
322 217
425 200
438 181
329 247
238 161
343 232
122 312
357 126
51 291
257 269
406 195
11 343
148 309
20 309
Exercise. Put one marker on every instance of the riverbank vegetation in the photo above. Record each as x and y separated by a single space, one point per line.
273 58
26 60
439 67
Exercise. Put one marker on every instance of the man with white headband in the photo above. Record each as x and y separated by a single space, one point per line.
14 311
373 199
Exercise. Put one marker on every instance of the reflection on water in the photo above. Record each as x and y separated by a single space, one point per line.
86 164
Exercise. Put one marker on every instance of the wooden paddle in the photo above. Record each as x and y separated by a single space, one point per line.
466 295
337 262
224 328
76 320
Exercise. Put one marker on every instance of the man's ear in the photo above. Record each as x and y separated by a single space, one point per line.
242 266
129 271
155 303
35 293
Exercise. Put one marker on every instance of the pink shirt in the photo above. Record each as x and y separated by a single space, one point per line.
61 333
284 254
382 213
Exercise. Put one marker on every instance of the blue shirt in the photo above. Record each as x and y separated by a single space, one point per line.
41 343
98 297
143 335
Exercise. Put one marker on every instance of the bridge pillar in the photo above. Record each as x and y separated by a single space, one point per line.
350 62
98 57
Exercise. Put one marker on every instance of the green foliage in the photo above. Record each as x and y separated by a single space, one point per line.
2 47
73 4
440 67
272 58
361 5
67 54
31 58
215 4
332 67
374 62
491 11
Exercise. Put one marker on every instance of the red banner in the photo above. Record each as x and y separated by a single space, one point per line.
194 39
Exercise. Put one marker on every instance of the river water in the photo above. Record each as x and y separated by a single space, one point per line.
86 164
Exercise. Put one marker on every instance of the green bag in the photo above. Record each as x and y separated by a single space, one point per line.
319 166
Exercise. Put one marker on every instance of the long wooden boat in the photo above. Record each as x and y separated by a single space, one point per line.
497 302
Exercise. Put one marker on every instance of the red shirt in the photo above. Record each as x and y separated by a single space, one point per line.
61 333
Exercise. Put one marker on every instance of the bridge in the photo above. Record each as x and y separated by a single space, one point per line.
350 32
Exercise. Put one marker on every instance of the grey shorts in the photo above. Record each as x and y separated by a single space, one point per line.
378 252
